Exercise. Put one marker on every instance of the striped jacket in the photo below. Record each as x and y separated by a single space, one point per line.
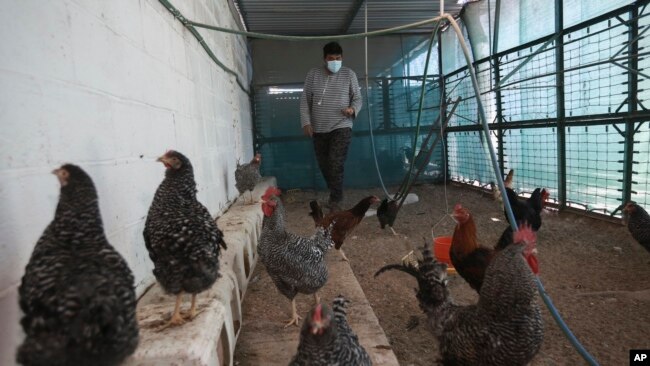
325 95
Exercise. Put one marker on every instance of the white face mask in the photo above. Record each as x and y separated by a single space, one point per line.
334 66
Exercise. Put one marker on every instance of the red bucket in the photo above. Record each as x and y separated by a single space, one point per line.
441 246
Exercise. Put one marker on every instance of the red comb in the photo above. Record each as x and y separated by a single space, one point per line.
458 207
318 313
271 191
524 234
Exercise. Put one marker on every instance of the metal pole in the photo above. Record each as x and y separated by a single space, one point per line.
443 110
632 105
497 12
559 90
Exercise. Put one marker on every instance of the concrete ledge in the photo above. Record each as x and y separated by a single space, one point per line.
210 338
266 342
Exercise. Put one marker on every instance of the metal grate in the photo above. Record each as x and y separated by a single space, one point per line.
641 166
460 85
468 158
594 84
594 165
532 152
530 92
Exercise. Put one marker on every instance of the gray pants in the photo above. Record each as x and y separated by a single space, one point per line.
331 150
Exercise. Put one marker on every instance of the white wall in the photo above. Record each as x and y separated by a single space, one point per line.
110 86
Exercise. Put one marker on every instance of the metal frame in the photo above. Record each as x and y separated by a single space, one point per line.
634 114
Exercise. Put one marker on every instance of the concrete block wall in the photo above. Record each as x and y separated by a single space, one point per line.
110 86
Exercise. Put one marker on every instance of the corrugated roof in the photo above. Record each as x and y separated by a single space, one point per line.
332 17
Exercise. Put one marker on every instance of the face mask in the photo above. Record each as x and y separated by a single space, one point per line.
334 66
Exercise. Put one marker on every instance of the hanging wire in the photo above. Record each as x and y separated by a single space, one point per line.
372 137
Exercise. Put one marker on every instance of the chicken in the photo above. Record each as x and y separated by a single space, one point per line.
294 263
527 211
181 236
638 222
345 221
248 175
77 293
468 257
327 339
505 327
496 193
387 213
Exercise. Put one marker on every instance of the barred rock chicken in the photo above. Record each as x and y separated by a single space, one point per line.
181 236
387 213
248 175
327 339
294 263
638 222
77 293
345 221
504 328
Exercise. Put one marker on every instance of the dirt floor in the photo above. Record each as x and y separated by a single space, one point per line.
593 270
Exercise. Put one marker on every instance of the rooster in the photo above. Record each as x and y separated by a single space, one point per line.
248 175
638 222
181 236
528 211
77 293
505 327
387 213
468 257
327 339
345 221
294 263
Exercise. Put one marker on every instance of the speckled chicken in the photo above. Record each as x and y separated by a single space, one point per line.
181 236
248 175
327 339
638 222
77 293
505 326
295 264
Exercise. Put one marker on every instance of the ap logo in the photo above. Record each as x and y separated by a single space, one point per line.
639 357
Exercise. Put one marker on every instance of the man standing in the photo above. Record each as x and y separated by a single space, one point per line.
330 100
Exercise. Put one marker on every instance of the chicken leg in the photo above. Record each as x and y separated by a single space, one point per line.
192 313
393 230
294 315
343 257
251 201
176 318
316 298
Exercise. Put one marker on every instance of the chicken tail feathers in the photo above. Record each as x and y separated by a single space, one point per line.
398 267
316 211
509 178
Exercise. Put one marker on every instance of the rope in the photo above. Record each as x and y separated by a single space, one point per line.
495 165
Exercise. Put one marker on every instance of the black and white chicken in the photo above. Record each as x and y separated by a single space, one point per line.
295 264
77 292
248 175
327 339
181 236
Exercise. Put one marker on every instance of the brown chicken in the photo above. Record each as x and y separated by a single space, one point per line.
344 221
468 257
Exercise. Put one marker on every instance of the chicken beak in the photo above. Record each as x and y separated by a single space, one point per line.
55 171
316 327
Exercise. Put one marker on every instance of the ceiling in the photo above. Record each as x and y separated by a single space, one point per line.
333 17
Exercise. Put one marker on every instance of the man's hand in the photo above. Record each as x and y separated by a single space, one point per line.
307 130
348 112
